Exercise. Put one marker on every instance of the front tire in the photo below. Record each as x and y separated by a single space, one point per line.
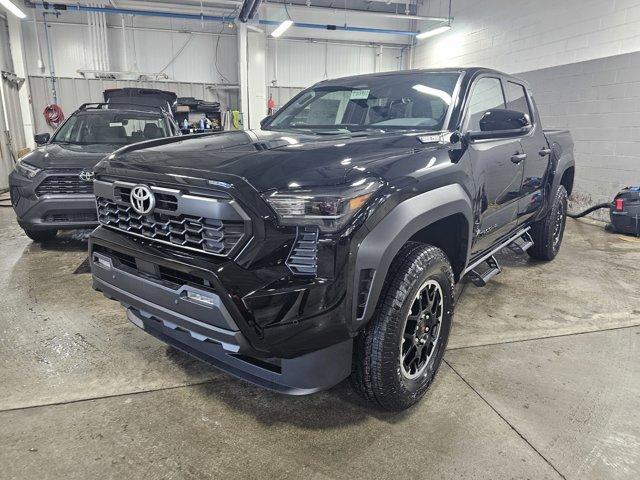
398 353
41 235
548 232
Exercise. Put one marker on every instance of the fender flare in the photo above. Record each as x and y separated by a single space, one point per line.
384 241
565 161
562 160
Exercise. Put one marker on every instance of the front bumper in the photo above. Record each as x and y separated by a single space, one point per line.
182 300
62 212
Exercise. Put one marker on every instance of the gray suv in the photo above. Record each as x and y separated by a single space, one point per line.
52 187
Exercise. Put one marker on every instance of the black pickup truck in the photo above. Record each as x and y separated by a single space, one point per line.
327 244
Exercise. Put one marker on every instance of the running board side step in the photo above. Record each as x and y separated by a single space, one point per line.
480 279
519 243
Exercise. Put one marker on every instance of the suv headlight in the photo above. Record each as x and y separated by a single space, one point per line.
26 170
330 208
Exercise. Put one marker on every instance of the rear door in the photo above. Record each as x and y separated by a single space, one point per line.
496 169
535 147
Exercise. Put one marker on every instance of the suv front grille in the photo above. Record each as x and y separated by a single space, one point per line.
64 185
208 235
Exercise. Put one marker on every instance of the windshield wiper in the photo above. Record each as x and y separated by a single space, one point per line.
337 131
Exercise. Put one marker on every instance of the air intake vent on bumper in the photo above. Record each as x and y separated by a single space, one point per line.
303 259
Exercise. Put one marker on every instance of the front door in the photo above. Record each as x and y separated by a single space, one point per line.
498 168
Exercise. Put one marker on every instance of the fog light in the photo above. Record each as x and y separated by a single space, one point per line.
103 262
200 298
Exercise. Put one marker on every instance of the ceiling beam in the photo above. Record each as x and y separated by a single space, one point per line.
338 10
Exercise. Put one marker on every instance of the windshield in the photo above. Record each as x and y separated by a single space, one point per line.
416 101
114 128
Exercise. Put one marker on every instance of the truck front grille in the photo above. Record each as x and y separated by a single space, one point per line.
207 221
64 185
208 235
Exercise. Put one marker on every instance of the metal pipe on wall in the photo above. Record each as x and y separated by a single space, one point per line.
215 18
125 60
335 10
52 69
105 42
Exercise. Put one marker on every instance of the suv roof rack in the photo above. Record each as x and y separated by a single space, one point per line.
122 106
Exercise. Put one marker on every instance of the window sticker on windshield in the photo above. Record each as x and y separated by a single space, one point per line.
359 94
115 124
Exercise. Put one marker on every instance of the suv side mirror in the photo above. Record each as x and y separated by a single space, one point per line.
265 120
42 138
501 123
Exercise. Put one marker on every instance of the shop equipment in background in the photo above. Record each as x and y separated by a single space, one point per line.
624 212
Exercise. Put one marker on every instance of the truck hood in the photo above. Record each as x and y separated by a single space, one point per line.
268 159
56 155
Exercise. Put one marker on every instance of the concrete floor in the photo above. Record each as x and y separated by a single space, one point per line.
541 380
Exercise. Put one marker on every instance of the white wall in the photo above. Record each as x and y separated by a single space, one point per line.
299 64
582 62
517 36
294 65
150 46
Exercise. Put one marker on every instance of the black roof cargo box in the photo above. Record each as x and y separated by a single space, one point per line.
141 96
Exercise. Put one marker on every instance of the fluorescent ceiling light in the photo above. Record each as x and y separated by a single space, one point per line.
434 92
12 7
280 29
435 31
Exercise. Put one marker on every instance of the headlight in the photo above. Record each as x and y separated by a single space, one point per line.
26 170
330 208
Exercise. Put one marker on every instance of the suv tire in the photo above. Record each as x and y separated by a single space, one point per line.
398 353
547 233
41 235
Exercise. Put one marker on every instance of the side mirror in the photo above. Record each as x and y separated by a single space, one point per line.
501 123
499 120
42 138
265 120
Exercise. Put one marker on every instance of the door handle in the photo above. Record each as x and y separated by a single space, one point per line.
518 158
544 152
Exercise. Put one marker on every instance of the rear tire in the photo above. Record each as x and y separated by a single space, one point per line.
548 232
398 353
41 235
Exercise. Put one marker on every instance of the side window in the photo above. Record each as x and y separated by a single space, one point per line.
487 95
517 99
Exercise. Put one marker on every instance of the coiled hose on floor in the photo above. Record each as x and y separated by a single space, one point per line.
588 210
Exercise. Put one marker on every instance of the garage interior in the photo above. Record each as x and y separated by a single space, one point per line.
541 377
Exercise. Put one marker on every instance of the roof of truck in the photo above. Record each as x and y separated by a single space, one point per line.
470 71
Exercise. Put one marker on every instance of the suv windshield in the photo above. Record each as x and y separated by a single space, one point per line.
410 101
114 128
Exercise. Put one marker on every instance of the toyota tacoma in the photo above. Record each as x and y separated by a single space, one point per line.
327 243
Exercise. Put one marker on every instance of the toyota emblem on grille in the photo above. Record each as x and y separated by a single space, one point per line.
87 175
142 199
